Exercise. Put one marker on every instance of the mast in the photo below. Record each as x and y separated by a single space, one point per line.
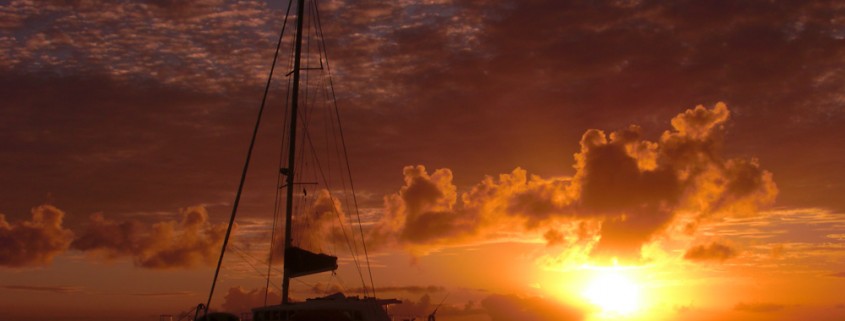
300 13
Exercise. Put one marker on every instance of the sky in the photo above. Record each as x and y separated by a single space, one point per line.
514 160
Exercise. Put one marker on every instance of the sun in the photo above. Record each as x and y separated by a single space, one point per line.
614 292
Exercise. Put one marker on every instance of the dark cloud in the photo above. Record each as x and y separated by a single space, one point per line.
511 307
34 242
326 289
610 64
413 289
163 294
425 306
760 307
413 309
157 40
710 252
185 9
126 143
634 187
166 244
36 288
331 288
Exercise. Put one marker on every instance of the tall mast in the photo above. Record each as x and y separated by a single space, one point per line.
300 15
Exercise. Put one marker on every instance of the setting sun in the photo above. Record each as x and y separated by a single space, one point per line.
614 292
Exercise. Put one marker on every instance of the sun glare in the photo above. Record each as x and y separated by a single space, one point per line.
615 293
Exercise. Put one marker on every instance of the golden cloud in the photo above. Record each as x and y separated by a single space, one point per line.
168 244
634 188
35 242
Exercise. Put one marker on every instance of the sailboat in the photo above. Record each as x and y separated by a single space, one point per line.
298 261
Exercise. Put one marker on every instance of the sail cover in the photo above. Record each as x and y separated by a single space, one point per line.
299 262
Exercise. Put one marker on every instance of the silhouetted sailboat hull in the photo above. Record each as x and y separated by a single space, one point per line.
335 307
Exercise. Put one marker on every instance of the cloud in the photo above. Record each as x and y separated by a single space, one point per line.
414 289
35 242
130 40
323 227
37 288
710 252
424 306
321 288
410 309
511 307
238 300
164 294
759 307
167 244
634 188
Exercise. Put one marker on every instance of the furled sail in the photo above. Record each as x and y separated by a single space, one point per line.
299 262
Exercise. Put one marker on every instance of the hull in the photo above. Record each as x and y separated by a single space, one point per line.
336 307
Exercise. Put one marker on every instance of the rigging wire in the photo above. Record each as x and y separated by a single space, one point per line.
306 120
345 151
248 259
334 210
331 132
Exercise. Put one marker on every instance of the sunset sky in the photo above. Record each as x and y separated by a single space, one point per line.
521 160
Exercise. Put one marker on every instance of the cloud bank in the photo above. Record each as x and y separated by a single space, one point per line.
34 242
167 244
710 252
625 192
37 288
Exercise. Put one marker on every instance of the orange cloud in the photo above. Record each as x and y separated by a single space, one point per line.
35 242
427 213
239 300
320 226
323 228
191 242
634 188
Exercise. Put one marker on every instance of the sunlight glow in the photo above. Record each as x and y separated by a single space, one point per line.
614 292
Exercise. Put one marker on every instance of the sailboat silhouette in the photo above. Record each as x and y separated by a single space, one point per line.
298 261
